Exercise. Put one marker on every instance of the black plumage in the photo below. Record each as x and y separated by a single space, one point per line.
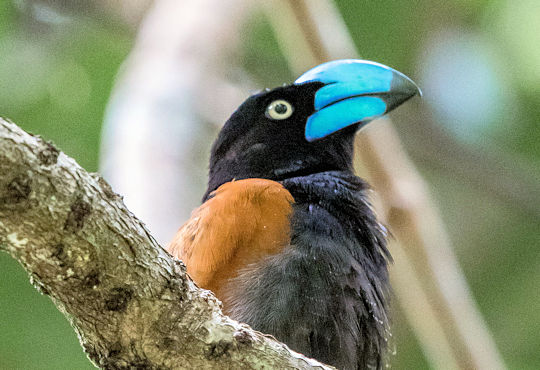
326 295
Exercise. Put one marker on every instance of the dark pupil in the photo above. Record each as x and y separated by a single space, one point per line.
280 108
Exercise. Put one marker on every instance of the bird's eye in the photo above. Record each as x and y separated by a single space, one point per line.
279 109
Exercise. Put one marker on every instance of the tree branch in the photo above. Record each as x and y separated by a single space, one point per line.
131 304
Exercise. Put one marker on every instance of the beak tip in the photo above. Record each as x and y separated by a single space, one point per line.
402 89
419 91
404 85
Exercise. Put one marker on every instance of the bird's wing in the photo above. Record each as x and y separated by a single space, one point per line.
242 222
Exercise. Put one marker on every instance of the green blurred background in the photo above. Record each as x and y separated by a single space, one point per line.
478 62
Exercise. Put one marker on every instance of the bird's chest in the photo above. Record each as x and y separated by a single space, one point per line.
240 225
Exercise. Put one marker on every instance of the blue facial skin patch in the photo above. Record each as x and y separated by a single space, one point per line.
354 91
342 114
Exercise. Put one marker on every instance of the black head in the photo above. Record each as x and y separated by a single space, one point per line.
306 127
254 144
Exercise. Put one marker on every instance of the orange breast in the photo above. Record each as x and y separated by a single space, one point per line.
244 221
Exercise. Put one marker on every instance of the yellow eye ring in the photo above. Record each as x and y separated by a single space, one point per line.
279 109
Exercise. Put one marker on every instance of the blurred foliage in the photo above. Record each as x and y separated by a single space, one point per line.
57 69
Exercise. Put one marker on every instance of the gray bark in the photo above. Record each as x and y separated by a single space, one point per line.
132 305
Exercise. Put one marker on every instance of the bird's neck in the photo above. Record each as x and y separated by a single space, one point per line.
334 154
284 173
344 195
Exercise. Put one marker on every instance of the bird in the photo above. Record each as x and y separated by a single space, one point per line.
286 236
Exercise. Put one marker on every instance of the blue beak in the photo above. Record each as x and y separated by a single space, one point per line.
354 91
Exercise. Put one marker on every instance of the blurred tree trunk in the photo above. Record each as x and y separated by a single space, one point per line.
157 133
